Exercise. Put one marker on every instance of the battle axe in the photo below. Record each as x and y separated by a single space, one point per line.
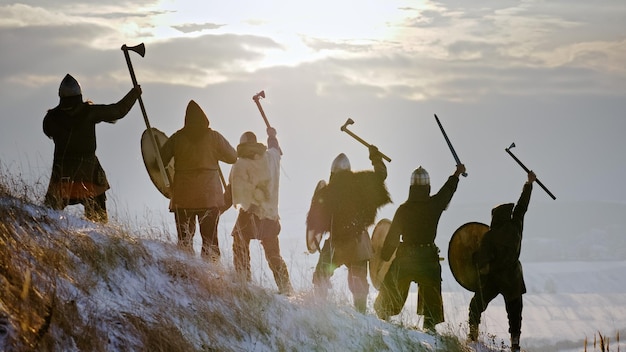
345 129
256 99
141 50
508 150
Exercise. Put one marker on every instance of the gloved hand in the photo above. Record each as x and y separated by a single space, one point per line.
531 177
271 132
375 155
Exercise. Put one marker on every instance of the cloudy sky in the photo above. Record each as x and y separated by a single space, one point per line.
549 76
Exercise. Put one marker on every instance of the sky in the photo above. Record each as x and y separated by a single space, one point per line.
547 76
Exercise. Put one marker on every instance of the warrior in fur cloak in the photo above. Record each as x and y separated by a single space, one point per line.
345 208
254 181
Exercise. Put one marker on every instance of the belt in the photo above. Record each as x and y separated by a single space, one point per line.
419 245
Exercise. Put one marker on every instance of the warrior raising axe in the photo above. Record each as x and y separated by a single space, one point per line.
344 208
254 186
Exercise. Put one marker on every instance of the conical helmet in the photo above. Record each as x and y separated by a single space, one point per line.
69 87
341 163
420 177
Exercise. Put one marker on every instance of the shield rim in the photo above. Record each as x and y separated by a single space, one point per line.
378 268
314 238
155 173
473 285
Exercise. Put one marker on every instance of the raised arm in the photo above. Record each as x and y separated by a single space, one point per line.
376 158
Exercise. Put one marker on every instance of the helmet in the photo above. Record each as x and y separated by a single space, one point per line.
69 87
247 137
341 163
420 177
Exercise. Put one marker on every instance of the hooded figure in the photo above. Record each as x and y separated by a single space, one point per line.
345 208
498 262
254 181
417 256
197 192
77 176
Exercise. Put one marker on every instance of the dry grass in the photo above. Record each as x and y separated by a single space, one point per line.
602 343
73 285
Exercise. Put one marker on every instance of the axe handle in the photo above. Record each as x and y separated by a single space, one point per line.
166 178
346 130
258 104
456 157
527 171
219 171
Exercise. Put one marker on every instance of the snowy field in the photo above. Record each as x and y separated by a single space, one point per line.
566 302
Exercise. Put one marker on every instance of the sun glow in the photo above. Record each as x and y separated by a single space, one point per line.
305 31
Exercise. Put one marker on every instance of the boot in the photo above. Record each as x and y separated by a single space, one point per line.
285 289
515 343
360 304
473 333
429 326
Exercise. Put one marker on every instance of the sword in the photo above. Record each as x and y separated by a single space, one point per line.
456 157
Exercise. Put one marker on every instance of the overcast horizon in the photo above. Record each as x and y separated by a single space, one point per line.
547 76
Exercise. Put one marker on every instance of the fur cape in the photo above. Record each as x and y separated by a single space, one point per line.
347 205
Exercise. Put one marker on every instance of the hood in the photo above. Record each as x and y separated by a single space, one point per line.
195 118
501 214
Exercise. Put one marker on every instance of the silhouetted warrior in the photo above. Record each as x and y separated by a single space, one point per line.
345 208
254 184
417 256
197 193
77 176
497 260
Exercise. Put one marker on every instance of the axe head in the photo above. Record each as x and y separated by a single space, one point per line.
259 95
349 121
512 145
139 49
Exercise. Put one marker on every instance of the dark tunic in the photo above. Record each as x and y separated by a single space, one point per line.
76 171
501 246
196 150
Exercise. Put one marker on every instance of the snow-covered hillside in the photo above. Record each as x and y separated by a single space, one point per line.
72 285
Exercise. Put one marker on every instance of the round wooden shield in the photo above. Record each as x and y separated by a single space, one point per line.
379 267
313 237
464 243
151 155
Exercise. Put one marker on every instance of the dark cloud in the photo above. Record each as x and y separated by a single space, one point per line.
196 56
41 50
